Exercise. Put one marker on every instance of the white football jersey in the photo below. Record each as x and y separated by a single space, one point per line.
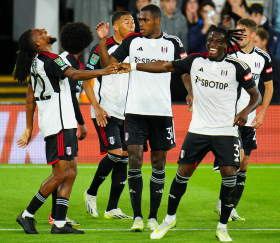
149 93
52 94
110 90
260 64
216 87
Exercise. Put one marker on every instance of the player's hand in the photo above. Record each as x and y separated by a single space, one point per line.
101 115
258 120
25 138
241 118
124 67
189 100
111 69
83 132
102 30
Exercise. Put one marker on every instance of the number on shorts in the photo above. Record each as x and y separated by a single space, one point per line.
237 150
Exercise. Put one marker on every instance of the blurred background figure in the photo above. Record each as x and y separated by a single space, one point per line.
261 41
190 10
219 6
234 10
173 21
198 33
256 14
139 5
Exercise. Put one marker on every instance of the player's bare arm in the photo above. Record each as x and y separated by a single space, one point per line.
255 100
188 85
30 109
82 132
100 114
78 75
102 30
258 120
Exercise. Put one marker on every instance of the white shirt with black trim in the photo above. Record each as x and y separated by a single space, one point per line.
260 64
149 93
216 87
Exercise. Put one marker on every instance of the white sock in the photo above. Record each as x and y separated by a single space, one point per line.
59 223
170 218
220 225
27 214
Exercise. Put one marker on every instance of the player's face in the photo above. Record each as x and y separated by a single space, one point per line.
126 25
215 45
249 36
42 36
258 42
147 23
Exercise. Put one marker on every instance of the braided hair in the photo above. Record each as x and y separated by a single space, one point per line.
231 36
26 54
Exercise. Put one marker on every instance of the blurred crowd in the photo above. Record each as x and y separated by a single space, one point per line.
191 20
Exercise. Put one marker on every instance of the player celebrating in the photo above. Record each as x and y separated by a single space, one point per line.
111 94
260 64
216 79
49 89
148 115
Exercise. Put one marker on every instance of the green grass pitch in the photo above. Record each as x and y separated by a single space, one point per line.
196 219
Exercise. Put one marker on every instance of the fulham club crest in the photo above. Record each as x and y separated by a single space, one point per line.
112 140
69 150
224 73
164 49
126 136
257 65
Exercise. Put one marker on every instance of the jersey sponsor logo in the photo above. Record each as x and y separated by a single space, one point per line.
211 84
112 140
69 150
146 60
164 49
257 64
248 76
269 70
140 48
182 154
94 59
59 61
201 69
126 136
224 72
183 55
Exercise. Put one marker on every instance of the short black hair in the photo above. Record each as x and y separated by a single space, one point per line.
118 15
75 37
155 10
207 2
256 8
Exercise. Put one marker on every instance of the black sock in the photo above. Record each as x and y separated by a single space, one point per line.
156 190
104 168
177 190
36 202
227 197
54 197
240 183
135 183
61 208
119 175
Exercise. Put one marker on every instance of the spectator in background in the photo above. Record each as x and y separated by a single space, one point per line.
139 5
198 33
233 11
261 41
190 10
276 25
219 6
120 5
256 14
173 21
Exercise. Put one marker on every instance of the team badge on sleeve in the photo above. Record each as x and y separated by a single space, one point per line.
248 76
59 61
183 55
94 59
269 70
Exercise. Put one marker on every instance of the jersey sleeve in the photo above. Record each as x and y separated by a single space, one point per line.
245 77
180 51
267 72
56 67
184 65
93 60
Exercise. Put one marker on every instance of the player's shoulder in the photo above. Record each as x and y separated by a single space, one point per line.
175 39
47 56
236 62
132 36
203 55
262 53
109 43
233 50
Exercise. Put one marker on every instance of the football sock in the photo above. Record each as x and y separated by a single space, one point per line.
170 218
27 214
220 225
177 190
119 175
54 197
227 197
61 211
156 190
36 203
104 168
135 183
240 183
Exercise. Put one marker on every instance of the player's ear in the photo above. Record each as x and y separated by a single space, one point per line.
38 43
116 27
157 20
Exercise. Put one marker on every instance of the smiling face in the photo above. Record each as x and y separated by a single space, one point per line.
41 37
148 24
216 45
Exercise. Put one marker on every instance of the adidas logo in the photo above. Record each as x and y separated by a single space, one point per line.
236 160
201 69
123 182
172 196
140 48
131 191
160 191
